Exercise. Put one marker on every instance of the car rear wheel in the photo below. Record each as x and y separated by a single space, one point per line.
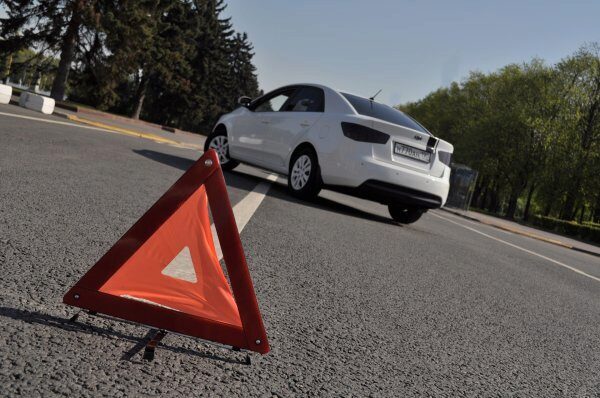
405 214
304 177
217 140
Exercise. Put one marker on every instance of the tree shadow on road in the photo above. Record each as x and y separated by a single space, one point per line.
247 182
33 317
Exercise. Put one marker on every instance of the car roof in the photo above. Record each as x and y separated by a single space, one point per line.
322 86
325 88
304 84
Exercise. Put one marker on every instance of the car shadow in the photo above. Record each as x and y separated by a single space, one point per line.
39 318
278 190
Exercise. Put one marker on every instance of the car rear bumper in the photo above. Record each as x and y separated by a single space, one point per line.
386 193
387 182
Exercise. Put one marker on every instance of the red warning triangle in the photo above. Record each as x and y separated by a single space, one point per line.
164 272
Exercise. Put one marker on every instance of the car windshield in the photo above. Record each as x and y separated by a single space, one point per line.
365 106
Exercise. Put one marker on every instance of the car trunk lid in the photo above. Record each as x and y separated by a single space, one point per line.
406 147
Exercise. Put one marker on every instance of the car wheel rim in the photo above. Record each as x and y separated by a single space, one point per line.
301 172
220 144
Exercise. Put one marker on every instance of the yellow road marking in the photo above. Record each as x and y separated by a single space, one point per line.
107 128
132 133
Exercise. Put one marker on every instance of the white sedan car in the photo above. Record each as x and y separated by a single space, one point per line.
324 138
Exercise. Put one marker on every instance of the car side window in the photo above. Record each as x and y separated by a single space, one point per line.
306 99
273 103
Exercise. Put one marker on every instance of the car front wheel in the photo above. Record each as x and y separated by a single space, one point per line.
304 177
217 140
405 214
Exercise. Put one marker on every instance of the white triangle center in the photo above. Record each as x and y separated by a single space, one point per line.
181 267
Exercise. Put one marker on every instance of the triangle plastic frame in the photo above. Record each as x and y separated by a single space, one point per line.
251 336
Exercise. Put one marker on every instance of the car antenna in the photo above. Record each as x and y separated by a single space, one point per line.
375 95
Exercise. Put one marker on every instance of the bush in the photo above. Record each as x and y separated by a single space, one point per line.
591 224
571 228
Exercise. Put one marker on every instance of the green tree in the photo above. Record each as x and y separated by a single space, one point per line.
243 72
50 26
175 62
579 80
29 67
531 131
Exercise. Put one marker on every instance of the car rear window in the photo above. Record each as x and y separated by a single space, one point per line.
366 107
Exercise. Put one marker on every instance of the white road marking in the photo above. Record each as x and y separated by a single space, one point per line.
182 267
245 209
477 223
39 119
578 271
243 212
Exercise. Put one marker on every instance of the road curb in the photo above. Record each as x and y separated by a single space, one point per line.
523 233
132 133
60 114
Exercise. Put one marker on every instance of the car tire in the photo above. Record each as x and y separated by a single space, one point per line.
405 214
304 176
218 141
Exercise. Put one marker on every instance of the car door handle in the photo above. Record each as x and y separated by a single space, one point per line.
265 122
304 124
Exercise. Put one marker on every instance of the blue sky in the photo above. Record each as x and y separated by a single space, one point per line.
407 48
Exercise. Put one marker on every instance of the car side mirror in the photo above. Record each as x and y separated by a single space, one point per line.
244 101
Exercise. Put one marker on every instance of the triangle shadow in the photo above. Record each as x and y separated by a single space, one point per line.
33 317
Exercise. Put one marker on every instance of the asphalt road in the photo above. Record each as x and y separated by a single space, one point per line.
354 305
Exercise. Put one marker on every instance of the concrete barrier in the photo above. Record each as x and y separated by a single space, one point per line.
5 93
37 102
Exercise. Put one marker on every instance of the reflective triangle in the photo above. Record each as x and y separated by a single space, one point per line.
165 271
142 275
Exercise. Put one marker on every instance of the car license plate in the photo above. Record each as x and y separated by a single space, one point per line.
410 152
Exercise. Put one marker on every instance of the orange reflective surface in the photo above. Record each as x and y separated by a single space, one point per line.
141 276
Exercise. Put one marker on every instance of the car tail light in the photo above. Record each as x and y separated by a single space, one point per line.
445 157
358 132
